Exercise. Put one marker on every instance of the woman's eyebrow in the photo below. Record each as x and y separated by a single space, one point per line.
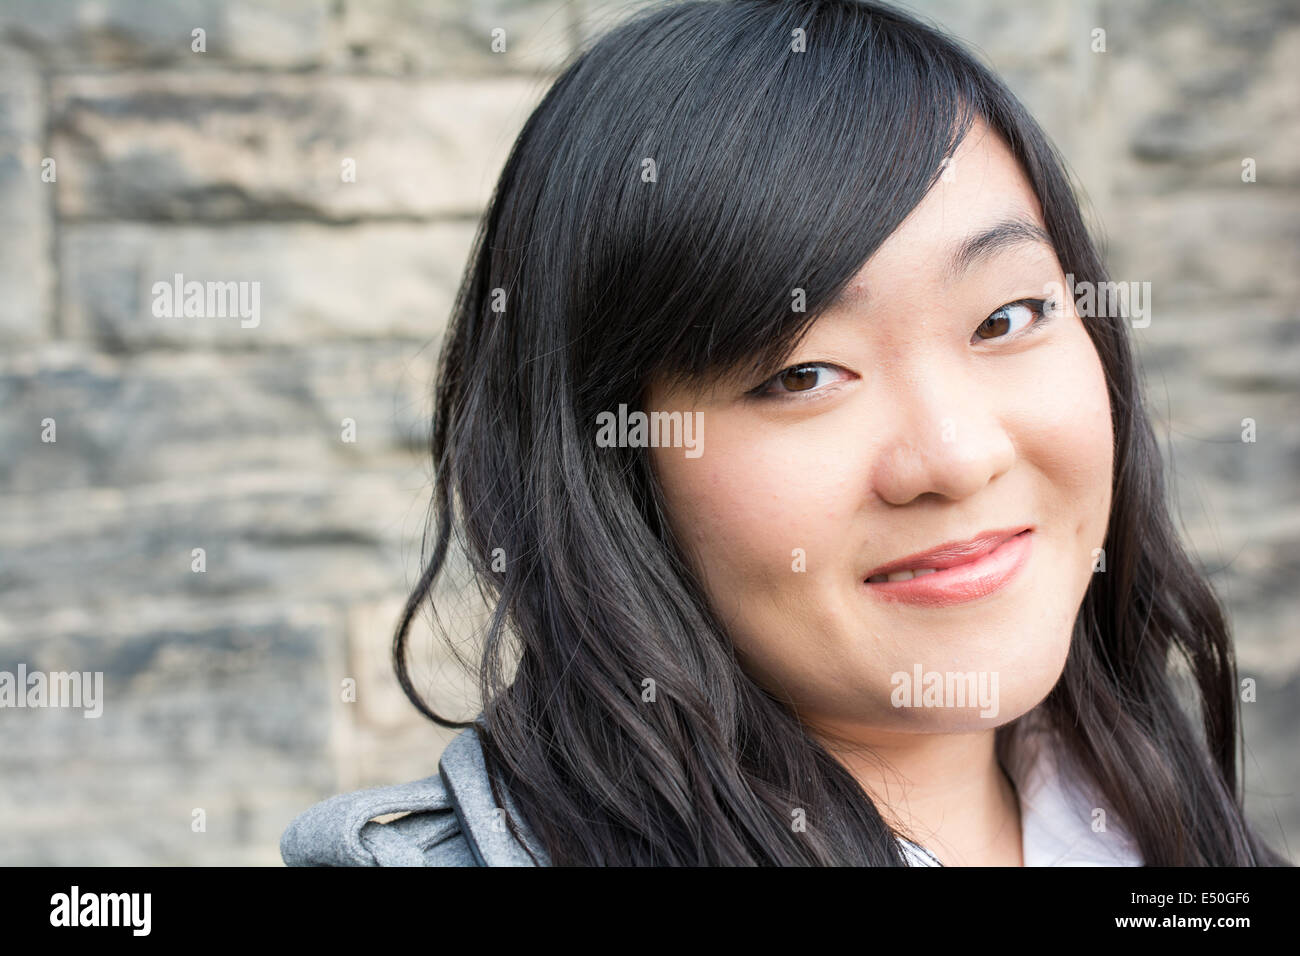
996 238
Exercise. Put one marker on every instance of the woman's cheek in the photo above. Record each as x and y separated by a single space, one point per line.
1066 434
764 520
750 499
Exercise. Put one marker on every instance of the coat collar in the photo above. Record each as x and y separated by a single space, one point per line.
482 823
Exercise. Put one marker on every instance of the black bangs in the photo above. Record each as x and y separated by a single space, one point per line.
770 150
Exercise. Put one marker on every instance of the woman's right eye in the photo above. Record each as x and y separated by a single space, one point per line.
800 378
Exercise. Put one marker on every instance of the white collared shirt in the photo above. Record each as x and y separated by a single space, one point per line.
1058 805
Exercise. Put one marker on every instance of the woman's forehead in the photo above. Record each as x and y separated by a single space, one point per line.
982 204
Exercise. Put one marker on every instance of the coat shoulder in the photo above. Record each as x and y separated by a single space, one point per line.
343 830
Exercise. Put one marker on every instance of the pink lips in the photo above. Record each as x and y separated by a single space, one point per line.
964 570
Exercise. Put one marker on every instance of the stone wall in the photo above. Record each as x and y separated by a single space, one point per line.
223 685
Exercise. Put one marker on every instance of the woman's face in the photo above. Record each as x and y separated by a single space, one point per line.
925 408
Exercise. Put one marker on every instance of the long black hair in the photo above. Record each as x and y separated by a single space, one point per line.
683 174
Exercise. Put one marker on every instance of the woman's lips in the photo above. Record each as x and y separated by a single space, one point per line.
958 583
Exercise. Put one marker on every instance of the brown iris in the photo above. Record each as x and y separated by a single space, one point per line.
996 325
799 379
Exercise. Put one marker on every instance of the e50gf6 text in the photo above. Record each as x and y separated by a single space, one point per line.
1160 899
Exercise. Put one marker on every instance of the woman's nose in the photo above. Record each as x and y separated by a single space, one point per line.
948 438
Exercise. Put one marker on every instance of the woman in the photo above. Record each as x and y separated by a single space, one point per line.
822 524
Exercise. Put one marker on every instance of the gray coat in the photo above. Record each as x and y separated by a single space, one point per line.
451 820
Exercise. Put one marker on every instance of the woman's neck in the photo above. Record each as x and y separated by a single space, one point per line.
947 792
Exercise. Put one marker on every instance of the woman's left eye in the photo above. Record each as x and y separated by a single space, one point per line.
1012 318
